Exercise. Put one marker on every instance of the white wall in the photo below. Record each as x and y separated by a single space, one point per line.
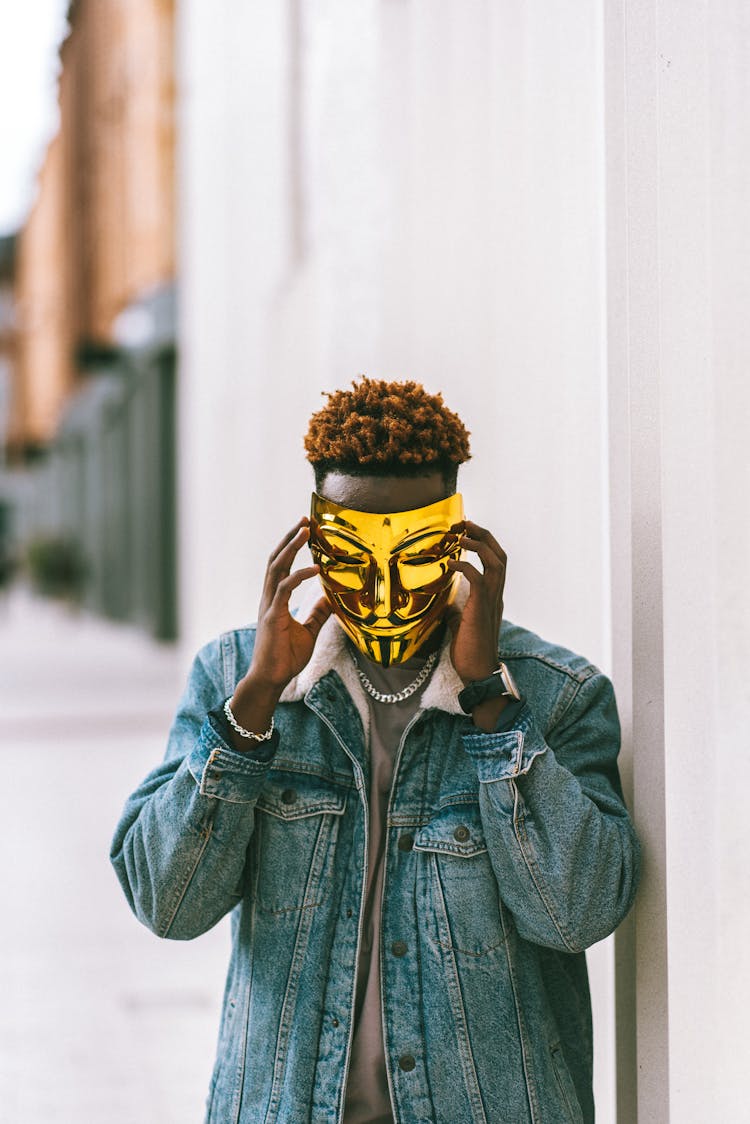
407 190
450 200
678 161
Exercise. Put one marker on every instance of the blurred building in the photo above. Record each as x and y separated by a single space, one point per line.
8 366
45 376
92 396
8 339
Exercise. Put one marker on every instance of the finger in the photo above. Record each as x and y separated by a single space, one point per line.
471 573
318 617
484 535
287 585
280 564
303 522
490 560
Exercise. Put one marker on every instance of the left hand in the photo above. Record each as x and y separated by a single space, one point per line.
475 628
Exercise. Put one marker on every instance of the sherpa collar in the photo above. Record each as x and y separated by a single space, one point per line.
331 654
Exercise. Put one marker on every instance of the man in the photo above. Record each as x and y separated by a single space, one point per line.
414 815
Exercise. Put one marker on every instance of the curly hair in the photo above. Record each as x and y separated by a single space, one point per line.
386 429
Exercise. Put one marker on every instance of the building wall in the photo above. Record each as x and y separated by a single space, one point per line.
420 196
101 231
406 190
8 339
678 104
44 377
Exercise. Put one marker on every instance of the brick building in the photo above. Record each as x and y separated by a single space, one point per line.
100 234
8 336
92 389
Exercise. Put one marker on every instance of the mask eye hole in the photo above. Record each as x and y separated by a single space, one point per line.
425 578
337 550
420 560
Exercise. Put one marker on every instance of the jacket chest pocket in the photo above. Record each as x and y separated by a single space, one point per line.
297 823
458 884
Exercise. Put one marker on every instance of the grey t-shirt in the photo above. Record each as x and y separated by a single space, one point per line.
367 1097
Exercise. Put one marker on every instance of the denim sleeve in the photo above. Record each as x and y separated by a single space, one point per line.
180 847
559 836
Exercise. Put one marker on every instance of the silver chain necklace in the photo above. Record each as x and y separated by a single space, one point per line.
403 694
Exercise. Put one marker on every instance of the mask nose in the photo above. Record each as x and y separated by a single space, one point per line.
382 595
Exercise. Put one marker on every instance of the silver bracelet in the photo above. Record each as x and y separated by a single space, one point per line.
241 730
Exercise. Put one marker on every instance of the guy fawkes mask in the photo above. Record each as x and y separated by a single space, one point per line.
387 576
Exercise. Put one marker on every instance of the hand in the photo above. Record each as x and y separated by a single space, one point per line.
475 628
283 645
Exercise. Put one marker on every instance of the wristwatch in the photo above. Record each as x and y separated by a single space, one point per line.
500 683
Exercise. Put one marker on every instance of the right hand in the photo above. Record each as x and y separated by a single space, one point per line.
283 645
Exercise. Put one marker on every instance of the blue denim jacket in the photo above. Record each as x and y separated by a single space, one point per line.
507 854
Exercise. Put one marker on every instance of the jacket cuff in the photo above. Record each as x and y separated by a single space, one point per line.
505 754
221 771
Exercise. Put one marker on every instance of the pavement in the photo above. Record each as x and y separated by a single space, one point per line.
100 1021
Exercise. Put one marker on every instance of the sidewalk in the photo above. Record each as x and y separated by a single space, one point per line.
100 1022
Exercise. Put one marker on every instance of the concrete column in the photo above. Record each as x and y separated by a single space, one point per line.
678 235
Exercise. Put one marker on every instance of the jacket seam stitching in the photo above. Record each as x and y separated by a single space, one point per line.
579 676
533 868
289 765
558 1079
225 642
206 833
468 1065
566 709
291 992
525 1056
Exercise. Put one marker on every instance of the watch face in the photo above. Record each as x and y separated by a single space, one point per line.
387 575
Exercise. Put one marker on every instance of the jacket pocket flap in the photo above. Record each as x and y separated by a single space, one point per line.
292 796
455 830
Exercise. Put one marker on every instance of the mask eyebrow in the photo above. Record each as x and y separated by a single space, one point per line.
440 536
327 534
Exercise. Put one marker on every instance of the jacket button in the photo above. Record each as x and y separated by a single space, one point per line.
405 842
461 834
288 796
399 948
407 1063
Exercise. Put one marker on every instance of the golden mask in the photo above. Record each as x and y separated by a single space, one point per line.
387 576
